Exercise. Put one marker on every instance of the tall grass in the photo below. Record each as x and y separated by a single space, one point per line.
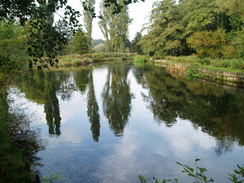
221 63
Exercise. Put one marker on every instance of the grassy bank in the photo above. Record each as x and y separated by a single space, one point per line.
231 70
77 59
227 65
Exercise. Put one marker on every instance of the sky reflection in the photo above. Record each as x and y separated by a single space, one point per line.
146 147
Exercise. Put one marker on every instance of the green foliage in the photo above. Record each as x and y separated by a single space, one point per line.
193 73
12 45
44 40
166 32
238 41
140 58
135 47
88 15
209 28
214 44
52 178
239 173
198 174
144 180
221 63
97 57
79 42
114 26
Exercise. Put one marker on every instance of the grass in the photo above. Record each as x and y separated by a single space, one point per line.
227 65
78 60
231 70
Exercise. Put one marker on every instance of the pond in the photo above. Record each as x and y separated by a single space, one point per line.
110 123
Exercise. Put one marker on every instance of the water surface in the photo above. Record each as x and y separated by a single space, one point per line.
110 123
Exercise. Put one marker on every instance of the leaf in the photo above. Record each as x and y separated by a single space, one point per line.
196 160
179 163
189 168
237 172
202 170
156 180
142 179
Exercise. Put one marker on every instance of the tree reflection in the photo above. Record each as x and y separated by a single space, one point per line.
93 109
67 86
224 145
81 78
41 88
19 144
215 111
117 98
51 104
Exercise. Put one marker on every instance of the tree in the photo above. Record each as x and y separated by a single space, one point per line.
114 26
12 46
88 13
165 35
96 42
173 27
38 13
79 42
134 46
43 38
214 44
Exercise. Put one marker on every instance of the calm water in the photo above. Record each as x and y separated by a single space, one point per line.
110 123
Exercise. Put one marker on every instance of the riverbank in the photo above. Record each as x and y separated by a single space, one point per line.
78 60
207 71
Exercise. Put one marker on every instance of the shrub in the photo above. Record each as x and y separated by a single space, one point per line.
97 57
140 58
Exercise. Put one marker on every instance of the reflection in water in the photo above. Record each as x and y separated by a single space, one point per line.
93 109
218 112
81 78
172 119
41 88
51 105
67 86
19 143
224 145
117 98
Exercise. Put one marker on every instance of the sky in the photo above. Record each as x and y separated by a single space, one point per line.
138 11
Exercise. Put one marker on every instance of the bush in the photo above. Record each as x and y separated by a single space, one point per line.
140 58
97 57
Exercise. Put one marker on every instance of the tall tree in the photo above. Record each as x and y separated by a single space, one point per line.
134 44
122 22
79 42
88 14
114 26
165 35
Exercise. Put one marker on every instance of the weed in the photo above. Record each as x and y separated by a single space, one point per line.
198 175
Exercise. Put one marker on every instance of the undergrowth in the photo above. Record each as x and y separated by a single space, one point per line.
198 175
